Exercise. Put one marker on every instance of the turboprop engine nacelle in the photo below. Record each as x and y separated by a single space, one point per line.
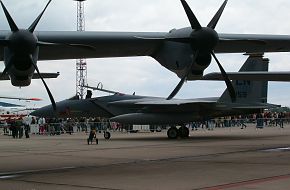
177 57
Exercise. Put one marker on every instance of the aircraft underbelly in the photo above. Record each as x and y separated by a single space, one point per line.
153 118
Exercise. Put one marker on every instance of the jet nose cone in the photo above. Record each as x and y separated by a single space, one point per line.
46 111
35 113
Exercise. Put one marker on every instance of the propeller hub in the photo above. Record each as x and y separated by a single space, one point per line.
204 39
22 42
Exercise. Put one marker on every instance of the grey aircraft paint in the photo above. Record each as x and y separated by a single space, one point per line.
174 50
153 110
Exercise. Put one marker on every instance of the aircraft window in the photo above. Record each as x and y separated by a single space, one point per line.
89 94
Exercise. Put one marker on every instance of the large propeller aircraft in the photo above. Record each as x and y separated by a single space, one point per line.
186 52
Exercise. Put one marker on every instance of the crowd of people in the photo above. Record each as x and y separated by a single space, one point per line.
18 127
51 126
261 120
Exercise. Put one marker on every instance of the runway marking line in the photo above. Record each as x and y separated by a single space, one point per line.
8 176
277 149
245 183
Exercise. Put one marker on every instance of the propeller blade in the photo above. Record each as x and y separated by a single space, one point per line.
177 88
34 24
11 22
190 15
44 83
184 78
217 16
229 84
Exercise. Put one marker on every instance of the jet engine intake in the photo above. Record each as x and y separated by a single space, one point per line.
20 81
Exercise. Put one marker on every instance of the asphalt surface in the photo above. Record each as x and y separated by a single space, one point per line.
232 159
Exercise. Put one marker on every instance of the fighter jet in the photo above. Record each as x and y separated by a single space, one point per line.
186 51
9 105
133 109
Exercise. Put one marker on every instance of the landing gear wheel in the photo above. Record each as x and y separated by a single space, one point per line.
107 135
172 133
183 132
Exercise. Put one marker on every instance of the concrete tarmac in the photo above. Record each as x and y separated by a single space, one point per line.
227 158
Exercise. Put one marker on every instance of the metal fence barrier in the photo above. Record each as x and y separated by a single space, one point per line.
75 127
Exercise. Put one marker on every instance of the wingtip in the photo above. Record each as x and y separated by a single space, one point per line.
36 99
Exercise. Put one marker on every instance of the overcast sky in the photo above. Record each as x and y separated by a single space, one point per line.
144 75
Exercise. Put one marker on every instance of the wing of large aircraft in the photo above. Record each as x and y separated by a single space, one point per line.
127 44
186 51
251 76
35 76
124 44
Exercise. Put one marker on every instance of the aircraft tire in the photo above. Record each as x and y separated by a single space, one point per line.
172 133
107 135
183 132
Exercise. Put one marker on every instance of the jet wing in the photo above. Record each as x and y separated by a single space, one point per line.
253 76
5 104
72 44
174 105
162 105
35 76
177 102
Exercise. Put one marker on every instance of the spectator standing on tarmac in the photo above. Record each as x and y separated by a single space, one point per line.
26 129
33 121
13 128
41 123
242 122
281 117
5 130
276 118
260 122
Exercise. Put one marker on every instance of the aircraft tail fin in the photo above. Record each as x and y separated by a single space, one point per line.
250 91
